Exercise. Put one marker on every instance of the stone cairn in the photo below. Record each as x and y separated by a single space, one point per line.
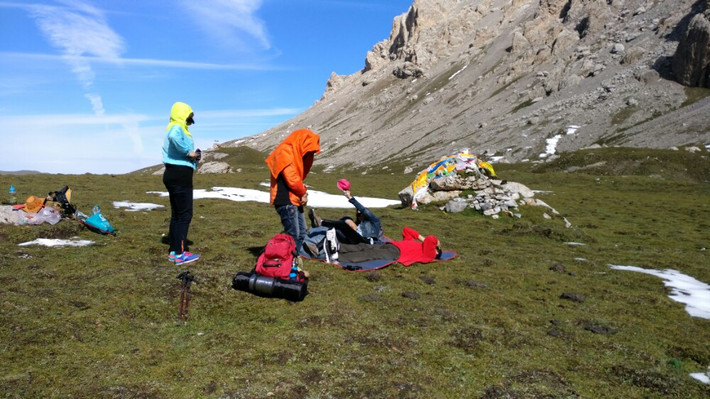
475 188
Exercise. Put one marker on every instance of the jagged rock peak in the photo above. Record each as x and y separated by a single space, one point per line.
508 78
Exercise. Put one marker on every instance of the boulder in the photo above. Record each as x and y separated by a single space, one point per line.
691 61
456 205
406 196
214 167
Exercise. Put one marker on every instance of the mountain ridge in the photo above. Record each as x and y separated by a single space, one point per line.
503 78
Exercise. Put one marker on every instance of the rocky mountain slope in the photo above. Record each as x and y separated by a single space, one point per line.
518 80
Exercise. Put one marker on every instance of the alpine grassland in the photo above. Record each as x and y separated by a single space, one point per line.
529 308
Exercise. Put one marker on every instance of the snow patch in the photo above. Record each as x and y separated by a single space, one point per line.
52 242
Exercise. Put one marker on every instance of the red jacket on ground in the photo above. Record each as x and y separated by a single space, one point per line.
411 250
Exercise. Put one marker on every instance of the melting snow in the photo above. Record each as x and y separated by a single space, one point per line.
551 146
702 377
50 242
135 206
316 199
684 289
458 72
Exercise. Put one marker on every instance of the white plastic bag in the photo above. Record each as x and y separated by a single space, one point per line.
50 215
46 214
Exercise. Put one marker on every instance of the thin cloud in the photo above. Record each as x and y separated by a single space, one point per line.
78 29
353 4
228 20
96 104
116 143
48 120
7 55
246 113
24 122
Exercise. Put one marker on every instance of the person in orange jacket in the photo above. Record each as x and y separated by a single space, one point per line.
289 164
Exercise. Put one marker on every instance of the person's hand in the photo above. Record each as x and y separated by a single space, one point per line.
347 194
304 199
195 155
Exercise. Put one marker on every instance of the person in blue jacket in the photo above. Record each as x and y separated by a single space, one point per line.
180 159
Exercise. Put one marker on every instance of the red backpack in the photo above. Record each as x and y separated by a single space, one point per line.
277 259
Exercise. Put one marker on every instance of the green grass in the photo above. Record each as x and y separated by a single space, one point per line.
101 321
623 114
694 94
522 105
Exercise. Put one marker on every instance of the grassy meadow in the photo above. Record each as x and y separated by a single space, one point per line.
521 312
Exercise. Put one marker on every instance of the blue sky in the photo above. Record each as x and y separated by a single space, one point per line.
87 85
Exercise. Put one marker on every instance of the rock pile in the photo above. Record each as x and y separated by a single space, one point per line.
473 188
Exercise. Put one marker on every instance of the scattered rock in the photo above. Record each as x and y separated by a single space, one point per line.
617 48
555 333
370 298
407 70
427 280
411 295
558 267
600 329
571 296
476 284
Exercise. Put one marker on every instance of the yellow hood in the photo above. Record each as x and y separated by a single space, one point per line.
178 116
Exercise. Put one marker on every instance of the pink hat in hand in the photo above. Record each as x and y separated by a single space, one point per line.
343 184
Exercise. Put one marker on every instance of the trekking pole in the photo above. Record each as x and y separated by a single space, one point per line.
186 278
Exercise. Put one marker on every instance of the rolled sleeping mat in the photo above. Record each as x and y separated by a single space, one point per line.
270 287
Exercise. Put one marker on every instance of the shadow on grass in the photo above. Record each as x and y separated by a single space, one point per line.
255 251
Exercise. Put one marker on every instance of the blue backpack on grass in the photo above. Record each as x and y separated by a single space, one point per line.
97 222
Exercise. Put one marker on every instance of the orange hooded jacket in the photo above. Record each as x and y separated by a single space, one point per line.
293 158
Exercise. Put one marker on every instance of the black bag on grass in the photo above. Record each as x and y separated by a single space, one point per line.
60 200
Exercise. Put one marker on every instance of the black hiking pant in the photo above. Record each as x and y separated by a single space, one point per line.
345 233
178 181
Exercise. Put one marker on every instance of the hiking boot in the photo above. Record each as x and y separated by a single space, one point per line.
311 249
171 257
315 219
186 257
326 251
331 244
